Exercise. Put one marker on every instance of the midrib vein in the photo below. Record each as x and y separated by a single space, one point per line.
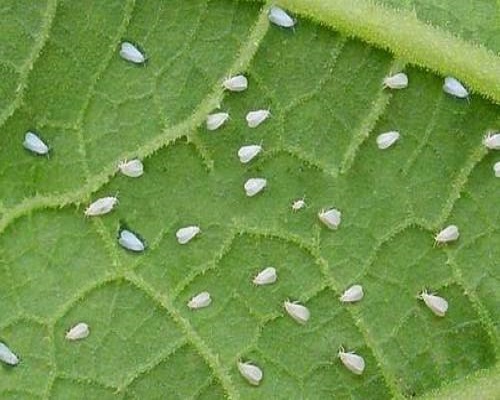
409 39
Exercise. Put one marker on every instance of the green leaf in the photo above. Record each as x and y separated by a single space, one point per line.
64 79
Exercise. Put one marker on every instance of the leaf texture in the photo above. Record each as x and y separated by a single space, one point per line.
64 79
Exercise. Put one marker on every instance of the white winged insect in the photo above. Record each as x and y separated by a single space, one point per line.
78 332
297 311
33 143
131 53
496 169
436 304
101 206
396 81
248 153
7 356
298 204
448 234
492 140
387 139
237 83
186 234
331 218
352 294
216 120
250 372
455 88
352 361
257 117
265 277
132 168
201 300
279 17
130 241
254 185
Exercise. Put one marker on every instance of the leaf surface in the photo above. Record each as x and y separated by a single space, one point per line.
64 79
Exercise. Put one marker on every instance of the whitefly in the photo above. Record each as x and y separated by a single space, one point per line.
492 140
201 300
130 241
254 186
7 356
186 234
257 117
387 139
131 53
496 169
251 372
266 277
298 204
132 168
237 83
330 218
280 17
352 361
33 143
436 304
455 88
352 294
248 153
448 234
297 311
101 206
216 120
396 81
78 332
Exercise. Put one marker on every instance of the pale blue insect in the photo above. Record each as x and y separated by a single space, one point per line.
257 117
186 234
7 356
132 168
297 311
331 218
237 83
248 153
352 361
448 234
387 139
496 169
201 300
250 372
101 206
436 304
455 88
397 81
78 332
130 241
492 140
352 294
34 144
266 277
131 53
279 17
216 120
254 185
